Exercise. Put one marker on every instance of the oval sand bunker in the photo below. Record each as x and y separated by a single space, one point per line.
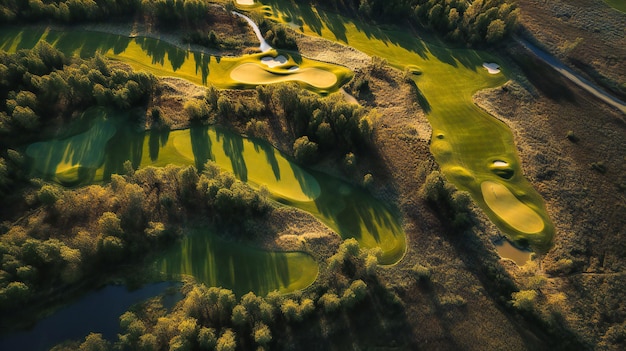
492 68
251 73
506 206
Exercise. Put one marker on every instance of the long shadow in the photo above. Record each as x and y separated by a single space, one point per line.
217 262
233 148
202 65
201 145
126 145
83 151
157 138
270 156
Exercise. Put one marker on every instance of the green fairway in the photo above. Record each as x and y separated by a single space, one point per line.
350 211
619 5
466 140
217 262
163 59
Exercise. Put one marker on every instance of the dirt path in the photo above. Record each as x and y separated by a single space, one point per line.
571 75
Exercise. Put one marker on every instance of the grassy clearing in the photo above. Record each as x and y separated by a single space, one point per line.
619 5
217 262
350 211
468 140
163 59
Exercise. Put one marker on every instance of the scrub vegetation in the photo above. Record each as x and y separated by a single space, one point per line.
450 291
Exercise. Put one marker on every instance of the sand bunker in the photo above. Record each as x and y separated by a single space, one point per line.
252 73
506 206
492 68
272 62
245 2
499 163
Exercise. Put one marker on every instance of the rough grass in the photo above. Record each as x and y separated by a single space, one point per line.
469 137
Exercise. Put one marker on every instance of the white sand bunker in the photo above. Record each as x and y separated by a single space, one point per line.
511 210
272 62
245 2
492 68
252 73
499 163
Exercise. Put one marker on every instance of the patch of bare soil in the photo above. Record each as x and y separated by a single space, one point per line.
587 34
562 143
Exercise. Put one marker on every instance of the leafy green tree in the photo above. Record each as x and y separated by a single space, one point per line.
261 334
94 342
227 341
305 150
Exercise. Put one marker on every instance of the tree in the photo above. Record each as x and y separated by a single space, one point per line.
94 342
495 31
261 334
227 341
304 150
240 315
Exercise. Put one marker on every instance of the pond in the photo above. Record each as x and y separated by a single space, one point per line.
96 312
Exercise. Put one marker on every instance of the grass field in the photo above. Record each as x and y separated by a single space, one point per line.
619 5
466 140
163 59
100 151
217 262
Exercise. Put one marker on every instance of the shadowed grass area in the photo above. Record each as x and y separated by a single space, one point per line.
163 59
466 140
350 211
240 268
619 5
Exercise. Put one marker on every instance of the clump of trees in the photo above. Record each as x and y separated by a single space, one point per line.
472 22
452 205
214 318
41 84
316 126
41 89
74 234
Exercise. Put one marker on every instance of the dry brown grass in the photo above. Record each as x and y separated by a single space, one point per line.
586 265
587 34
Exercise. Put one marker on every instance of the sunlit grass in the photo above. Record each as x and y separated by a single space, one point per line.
466 140
163 59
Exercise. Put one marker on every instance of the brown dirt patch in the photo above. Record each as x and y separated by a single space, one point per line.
587 34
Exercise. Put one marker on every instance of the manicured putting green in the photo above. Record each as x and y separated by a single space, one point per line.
511 210
163 59
217 262
466 140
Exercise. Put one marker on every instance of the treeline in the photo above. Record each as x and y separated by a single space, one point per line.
472 22
165 13
41 88
41 84
74 234
215 319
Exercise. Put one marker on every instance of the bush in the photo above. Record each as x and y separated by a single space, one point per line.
524 300
305 151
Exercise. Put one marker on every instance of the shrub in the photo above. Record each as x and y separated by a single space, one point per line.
305 150
524 300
